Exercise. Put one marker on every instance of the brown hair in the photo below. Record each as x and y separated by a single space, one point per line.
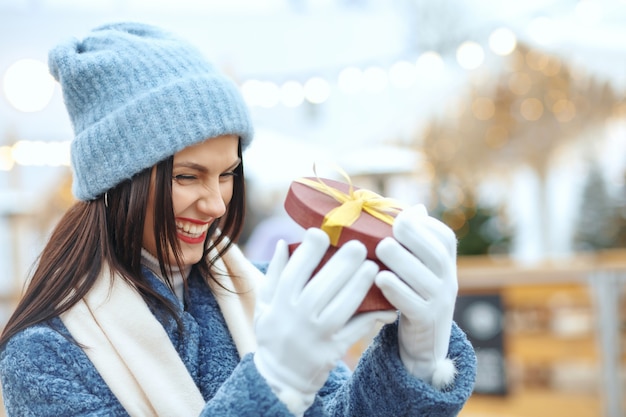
96 232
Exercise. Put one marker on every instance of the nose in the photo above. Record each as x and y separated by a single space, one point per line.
211 203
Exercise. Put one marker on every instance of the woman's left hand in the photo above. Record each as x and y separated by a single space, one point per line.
422 285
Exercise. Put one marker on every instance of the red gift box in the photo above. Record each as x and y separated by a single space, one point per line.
315 202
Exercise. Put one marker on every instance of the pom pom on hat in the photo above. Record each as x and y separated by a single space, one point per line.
136 95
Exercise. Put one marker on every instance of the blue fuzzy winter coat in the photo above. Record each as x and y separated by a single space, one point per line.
44 373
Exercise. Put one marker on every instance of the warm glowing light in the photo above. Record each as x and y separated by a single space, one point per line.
496 137
38 153
515 61
619 109
427 171
316 90
502 41
470 55
402 74
350 80
519 83
536 60
292 94
531 109
552 67
564 110
483 108
58 153
6 158
553 95
444 149
28 153
454 218
28 85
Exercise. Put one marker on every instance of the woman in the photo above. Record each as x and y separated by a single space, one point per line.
141 305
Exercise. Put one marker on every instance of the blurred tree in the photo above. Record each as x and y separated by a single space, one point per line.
520 114
480 230
620 238
601 220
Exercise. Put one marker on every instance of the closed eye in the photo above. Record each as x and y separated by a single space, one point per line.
184 178
232 171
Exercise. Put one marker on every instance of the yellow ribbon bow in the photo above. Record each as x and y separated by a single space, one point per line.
352 204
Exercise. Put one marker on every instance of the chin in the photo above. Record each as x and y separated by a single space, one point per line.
190 259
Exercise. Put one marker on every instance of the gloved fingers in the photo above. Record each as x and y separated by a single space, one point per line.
442 233
338 271
400 295
441 259
408 267
302 263
362 325
345 302
274 270
427 238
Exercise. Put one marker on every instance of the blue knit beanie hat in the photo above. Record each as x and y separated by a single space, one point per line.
136 95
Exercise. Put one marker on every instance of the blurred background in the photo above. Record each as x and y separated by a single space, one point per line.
506 119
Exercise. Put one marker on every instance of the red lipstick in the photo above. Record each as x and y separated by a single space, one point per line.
193 240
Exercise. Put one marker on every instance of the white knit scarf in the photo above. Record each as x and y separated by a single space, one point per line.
133 353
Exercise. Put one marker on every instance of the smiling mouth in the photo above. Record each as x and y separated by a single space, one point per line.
191 232
190 229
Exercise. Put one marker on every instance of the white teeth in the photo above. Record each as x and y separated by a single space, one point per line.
194 230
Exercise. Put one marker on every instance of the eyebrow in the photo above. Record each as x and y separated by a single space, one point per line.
202 168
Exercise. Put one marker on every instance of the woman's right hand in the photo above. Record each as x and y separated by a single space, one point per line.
302 329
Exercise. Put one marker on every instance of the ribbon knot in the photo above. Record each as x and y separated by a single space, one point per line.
352 204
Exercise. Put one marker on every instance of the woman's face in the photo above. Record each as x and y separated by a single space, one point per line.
202 187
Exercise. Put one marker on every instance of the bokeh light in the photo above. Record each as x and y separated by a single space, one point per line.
429 63
564 110
28 85
316 90
519 83
40 153
496 136
531 109
502 41
470 55
6 159
483 108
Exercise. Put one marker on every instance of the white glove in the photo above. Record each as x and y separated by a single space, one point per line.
423 286
302 329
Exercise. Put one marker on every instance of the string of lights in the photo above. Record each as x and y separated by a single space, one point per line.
28 87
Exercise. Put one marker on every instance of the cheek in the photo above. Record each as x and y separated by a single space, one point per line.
181 198
226 189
